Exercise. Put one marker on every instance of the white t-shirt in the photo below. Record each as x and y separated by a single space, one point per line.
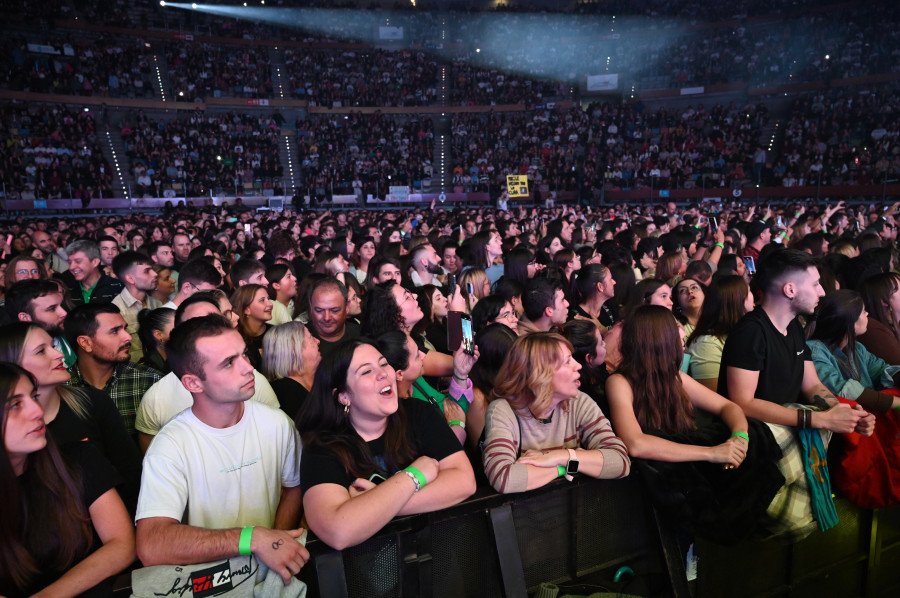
168 397
281 313
221 478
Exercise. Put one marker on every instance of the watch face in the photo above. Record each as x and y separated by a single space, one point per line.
572 467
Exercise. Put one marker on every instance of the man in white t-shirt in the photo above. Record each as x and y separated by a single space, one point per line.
222 478
168 397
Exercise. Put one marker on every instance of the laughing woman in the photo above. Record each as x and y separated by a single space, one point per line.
65 530
369 456
540 427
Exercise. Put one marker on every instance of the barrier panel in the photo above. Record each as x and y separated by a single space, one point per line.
580 535
503 545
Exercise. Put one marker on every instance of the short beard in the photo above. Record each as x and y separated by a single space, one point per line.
434 269
53 331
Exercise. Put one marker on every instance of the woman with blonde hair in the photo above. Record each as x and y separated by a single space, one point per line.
481 286
540 427
671 267
290 358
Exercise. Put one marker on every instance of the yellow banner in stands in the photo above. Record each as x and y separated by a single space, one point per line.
517 184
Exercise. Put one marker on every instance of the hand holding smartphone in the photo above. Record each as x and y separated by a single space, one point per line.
459 332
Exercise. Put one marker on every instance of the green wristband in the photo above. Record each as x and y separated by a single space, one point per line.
244 544
560 471
722 245
456 422
741 435
418 475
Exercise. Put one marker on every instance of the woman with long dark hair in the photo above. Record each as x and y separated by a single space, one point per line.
593 289
493 342
154 327
71 413
65 530
727 300
520 264
369 456
433 326
881 296
390 306
843 364
540 427
365 251
486 247
589 350
657 410
689 296
408 361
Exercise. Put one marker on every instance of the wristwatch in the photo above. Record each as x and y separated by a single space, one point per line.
572 465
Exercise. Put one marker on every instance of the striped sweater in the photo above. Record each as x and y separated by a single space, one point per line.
582 426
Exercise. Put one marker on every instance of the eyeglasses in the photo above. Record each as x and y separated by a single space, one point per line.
688 290
23 272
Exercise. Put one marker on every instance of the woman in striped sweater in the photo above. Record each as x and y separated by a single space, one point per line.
540 427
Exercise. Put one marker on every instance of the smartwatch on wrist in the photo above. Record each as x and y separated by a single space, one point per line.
572 465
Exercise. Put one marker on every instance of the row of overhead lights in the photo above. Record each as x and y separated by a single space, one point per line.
116 162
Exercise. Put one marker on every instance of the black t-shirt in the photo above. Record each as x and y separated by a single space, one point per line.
254 348
97 478
104 429
351 330
756 345
290 394
426 430
607 317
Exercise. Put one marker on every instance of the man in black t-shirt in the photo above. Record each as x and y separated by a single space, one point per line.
765 362
328 314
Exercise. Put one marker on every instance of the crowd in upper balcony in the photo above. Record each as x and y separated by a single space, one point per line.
361 77
369 152
48 152
202 153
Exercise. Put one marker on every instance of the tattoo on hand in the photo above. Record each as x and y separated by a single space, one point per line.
276 544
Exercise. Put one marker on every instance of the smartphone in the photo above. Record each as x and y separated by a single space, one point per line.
715 224
750 263
459 332
470 289
247 228
451 285
468 336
